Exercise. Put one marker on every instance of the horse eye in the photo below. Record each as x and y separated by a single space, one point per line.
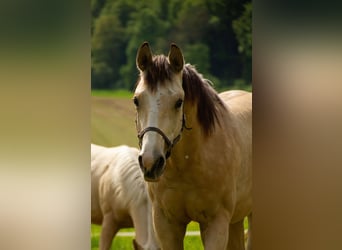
136 102
179 103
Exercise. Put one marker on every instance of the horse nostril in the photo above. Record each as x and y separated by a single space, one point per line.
160 161
141 163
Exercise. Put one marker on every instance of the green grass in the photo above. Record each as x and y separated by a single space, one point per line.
125 243
121 243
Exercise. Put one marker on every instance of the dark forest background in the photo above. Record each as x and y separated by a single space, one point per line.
214 35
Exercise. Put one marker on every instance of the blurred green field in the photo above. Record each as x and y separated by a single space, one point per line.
112 124
112 118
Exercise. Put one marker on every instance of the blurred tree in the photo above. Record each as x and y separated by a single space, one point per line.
225 59
191 22
214 35
96 7
106 51
145 25
109 41
198 55
243 29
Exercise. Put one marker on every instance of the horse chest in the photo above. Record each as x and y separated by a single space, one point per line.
201 205
187 203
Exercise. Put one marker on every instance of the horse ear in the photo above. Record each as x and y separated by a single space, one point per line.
144 57
176 58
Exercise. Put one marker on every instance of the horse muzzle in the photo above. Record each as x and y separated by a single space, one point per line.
152 166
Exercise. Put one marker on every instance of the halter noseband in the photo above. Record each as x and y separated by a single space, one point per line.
170 144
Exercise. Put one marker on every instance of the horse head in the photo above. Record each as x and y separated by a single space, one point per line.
159 99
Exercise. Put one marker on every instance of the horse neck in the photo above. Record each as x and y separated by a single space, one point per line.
195 141
192 136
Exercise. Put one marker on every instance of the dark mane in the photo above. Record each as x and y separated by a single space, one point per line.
159 71
199 91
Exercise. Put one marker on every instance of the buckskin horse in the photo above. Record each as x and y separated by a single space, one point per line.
195 152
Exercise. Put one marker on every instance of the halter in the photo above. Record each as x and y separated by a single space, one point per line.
170 144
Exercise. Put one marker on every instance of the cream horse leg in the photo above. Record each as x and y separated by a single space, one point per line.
170 233
109 229
140 224
215 233
236 236
143 224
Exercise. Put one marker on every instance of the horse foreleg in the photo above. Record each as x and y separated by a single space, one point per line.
109 229
236 236
214 234
170 233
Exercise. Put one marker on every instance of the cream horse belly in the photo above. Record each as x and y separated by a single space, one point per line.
196 149
119 196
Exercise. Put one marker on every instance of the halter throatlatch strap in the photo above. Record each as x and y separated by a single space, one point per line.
168 142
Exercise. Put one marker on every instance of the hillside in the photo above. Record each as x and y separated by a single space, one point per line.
112 121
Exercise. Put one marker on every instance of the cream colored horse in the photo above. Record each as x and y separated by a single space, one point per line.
196 149
119 197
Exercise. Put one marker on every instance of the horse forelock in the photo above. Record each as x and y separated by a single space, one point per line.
158 72
199 92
